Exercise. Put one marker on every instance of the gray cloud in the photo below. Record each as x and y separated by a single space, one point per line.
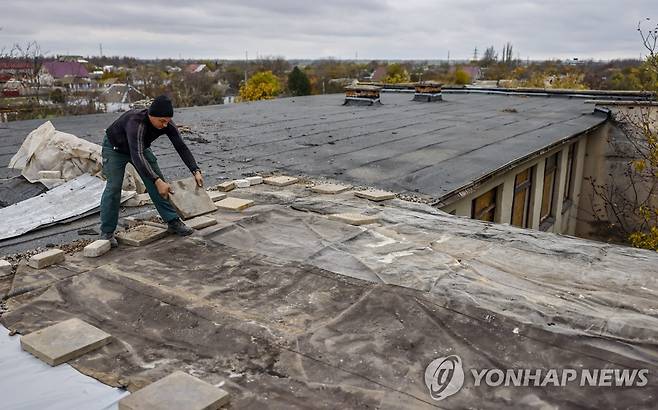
384 29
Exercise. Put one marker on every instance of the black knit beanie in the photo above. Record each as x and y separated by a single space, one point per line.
161 107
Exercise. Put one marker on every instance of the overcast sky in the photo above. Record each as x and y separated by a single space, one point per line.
371 29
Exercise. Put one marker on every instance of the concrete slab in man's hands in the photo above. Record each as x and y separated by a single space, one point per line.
280 180
330 188
234 204
177 391
189 199
354 219
375 195
64 341
141 235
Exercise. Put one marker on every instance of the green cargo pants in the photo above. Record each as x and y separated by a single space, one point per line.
114 166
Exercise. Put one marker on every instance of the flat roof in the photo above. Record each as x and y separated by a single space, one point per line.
430 149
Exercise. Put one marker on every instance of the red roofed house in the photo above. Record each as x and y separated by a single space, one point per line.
70 74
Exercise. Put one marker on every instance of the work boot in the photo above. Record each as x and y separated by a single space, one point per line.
179 228
109 236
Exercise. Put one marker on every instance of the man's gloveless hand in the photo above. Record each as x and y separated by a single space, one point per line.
164 189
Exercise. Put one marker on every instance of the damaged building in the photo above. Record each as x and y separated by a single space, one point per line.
410 229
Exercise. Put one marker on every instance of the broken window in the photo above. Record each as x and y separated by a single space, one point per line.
550 172
571 158
521 200
484 206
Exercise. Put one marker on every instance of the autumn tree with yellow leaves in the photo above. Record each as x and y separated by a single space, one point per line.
261 86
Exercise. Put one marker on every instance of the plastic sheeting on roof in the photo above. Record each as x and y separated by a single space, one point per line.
72 199
27 383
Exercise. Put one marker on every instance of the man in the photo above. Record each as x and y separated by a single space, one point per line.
128 140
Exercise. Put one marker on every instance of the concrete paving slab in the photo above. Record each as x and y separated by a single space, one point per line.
280 180
225 186
64 341
241 183
201 222
141 235
189 199
354 218
47 258
5 267
257 180
216 195
330 188
177 391
97 248
234 204
375 195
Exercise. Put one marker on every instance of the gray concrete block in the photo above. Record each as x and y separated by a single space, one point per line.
257 180
225 186
141 235
216 195
45 259
189 199
280 180
375 195
201 222
241 183
175 392
234 204
96 248
330 188
50 175
5 267
354 219
64 341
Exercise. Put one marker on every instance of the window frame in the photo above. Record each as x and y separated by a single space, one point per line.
525 186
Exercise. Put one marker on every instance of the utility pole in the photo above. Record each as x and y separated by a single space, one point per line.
100 45
246 64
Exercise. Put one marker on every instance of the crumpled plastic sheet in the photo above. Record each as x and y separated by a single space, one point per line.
46 149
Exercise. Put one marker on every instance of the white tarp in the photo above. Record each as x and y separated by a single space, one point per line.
27 383
46 149
69 200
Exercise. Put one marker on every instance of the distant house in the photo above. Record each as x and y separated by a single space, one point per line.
195 68
118 97
70 74
378 75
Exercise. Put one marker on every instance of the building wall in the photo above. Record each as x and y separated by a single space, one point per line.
564 217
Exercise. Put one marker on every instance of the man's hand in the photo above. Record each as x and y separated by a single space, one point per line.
164 189
198 178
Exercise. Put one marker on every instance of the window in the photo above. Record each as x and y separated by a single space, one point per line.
521 200
484 206
571 160
550 172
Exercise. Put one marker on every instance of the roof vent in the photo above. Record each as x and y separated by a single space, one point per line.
428 91
362 95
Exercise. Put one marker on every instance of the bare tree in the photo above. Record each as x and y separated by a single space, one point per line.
629 205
